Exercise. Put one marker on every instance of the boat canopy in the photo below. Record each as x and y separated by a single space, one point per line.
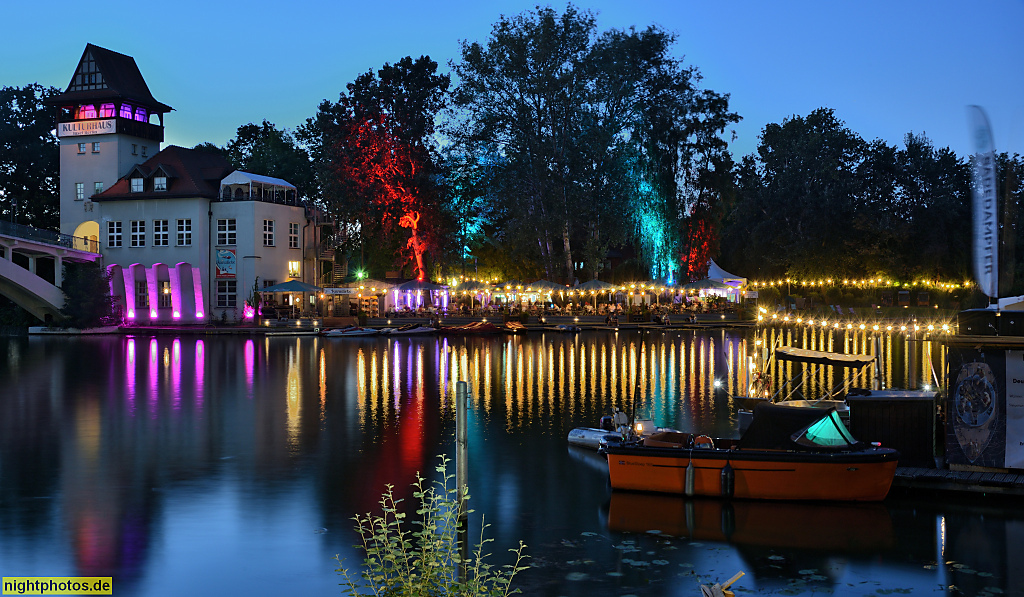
781 427
819 357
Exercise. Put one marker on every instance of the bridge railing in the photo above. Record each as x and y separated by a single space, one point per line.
49 237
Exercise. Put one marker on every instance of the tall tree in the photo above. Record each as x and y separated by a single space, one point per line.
29 157
265 149
602 138
377 160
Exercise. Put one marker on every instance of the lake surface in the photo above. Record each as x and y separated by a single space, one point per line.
229 465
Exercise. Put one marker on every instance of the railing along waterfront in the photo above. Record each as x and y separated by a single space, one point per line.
49 237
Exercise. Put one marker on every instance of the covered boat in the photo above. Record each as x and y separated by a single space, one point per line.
787 453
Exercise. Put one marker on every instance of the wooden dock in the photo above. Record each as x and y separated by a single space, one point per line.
964 482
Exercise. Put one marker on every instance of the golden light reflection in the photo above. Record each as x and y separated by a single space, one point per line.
293 393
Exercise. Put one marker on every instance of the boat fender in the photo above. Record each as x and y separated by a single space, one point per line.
688 485
728 480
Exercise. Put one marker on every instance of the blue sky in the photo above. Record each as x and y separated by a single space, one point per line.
885 67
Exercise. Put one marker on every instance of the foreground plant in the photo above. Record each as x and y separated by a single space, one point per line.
426 560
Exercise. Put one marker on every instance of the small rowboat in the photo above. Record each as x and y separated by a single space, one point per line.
788 453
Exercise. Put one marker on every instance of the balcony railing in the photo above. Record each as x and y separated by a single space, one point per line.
49 237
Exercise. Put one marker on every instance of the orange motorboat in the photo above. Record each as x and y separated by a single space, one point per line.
787 453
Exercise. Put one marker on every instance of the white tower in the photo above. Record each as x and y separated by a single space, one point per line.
104 123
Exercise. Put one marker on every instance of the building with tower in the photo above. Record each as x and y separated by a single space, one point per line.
183 234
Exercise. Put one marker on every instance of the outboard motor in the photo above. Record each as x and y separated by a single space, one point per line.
607 424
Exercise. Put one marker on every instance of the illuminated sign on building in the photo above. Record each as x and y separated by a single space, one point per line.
226 263
87 127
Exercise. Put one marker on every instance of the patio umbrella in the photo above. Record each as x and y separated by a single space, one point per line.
473 287
596 286
292 286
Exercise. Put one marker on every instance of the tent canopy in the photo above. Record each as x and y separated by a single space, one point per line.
720 275
472 286
545 286
596 285
417 285
292 286
706 284
240 177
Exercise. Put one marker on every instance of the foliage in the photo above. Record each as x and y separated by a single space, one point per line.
87 301
29 192
255 298
264 149
594 139
427 561
376 159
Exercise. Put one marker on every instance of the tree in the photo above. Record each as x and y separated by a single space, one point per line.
29 192
378 160
265 149
86 289
601 138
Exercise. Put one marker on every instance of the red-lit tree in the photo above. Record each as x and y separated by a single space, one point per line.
385 171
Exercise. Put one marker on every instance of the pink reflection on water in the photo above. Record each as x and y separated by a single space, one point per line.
200 370
129 375
250 358
154 380
176 373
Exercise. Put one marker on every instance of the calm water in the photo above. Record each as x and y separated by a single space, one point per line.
221 466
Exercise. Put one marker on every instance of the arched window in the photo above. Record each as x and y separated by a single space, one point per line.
126 111
86 111
239 193
226 194
141 115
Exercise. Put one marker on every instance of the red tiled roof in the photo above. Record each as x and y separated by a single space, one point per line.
191 173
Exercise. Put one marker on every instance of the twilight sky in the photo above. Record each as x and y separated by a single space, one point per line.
885 67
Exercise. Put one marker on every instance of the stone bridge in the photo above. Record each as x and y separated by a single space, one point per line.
32 267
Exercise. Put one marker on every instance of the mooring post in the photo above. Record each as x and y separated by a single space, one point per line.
462 470
912 358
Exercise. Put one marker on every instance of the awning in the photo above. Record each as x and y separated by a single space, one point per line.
818 357
292 286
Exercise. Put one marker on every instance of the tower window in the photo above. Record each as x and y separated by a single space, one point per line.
106 110
141 115
136 185
86 111
95 146
81 148
126 111
79 191
159 182
97 188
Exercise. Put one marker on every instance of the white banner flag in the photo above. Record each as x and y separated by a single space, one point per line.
986 230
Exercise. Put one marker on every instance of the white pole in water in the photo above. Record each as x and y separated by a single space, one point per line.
462 470
461 438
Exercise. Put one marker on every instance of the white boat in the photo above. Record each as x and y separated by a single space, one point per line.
352 331
612 426
417 330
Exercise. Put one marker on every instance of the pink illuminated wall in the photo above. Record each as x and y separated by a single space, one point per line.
197 289
129 290
174 275
153 286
